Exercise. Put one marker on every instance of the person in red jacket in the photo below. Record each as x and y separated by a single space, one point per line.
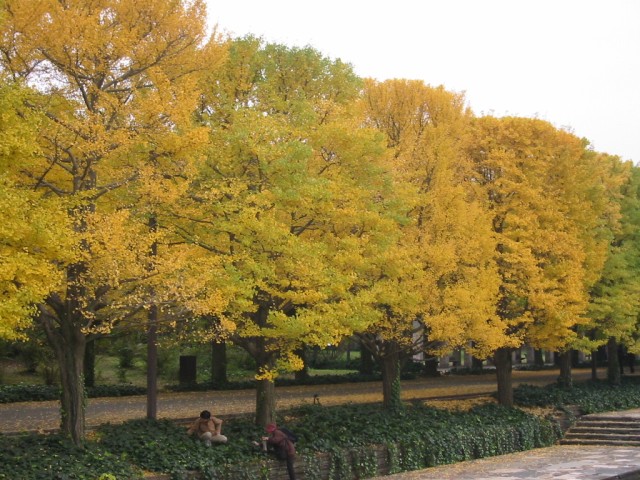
282 446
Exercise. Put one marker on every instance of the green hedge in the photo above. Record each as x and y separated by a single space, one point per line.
590 397
40 457
415 438
281 382
37 393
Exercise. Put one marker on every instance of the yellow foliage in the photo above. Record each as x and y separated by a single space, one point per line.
114 88
37 239
443 276
537 179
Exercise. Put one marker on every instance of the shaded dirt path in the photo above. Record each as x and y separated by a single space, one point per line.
45 416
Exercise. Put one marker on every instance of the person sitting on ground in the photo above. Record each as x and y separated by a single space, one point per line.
282 446
208 428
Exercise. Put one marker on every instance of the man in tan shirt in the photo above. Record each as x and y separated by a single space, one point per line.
208 429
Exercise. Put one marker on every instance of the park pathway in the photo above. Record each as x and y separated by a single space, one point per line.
45 416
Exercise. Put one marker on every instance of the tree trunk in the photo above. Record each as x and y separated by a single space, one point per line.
152 364
565 380
68 342
265 402
613 365
90 364
476 364
502 360
152 338
71 360
62 321
366 360
538 358
304 373
594 365
390 366
219 363
265 358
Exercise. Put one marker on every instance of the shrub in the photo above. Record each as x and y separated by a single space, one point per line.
37 393
311 380
162 446
415 438
590 397
27 392
22 393
52 456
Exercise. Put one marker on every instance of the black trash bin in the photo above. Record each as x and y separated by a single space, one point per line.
187 369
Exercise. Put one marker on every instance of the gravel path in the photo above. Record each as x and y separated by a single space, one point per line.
45 416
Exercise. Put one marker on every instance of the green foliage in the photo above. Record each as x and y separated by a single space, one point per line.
614 306
591 397
340 464
438 430
312 469
281 382
415 438
120 390
53 456
26 392
163 446
23 393
365 463
34 393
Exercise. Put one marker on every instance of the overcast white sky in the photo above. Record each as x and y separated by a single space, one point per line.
575 63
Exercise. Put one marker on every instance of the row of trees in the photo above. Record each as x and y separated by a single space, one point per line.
154 177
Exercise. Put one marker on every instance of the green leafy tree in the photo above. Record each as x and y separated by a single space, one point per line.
289 201
615 297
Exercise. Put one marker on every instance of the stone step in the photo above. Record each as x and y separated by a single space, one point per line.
623 422
602 436
596 417
618 430
603 430
613 443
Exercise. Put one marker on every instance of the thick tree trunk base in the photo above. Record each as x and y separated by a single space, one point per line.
390 365
265 402
613 364
502 359
565 380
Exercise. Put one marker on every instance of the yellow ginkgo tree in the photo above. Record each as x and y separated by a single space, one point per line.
36 232
546 211
441 295
115 83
